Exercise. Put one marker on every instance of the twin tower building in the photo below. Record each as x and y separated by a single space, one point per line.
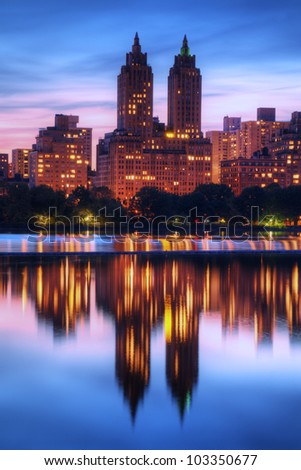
144 152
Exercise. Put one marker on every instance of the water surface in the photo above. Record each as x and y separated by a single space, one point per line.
150 351
90 243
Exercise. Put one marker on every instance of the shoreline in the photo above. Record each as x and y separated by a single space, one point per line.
170 253
20 245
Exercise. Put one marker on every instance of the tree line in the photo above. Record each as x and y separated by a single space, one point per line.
18 203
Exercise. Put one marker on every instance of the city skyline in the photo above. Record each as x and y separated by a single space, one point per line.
150 233
50 65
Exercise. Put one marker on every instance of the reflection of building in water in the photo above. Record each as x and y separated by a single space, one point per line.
60 289
183 301
252 291
131 290
62 293
247 295
181 331
136 290
128 282
133 356
293 303
257 292
3 277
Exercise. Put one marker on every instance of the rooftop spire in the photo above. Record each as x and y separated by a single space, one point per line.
185 49
136 46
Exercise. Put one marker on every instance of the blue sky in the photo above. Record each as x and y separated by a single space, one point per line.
64 57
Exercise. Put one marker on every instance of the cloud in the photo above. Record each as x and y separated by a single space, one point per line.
99 64
63 57
50 105
214 95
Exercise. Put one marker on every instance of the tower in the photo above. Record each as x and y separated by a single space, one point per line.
135 94
62 155
184 95
139 153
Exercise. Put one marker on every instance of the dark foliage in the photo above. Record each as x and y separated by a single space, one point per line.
18 203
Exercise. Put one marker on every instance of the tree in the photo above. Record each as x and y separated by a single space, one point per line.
81 197
291 203
218 199
103 192
274 202
250 197
151 202
187 202
41 198
17 208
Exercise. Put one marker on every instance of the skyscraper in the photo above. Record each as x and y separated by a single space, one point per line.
139 153
266 114
184 95
135 94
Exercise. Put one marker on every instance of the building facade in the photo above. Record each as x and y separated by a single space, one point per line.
296 122
141 151
256 135
21 162
185 95
277 159
225 146
135 93
231 124
3 166
242 173
266 114
62 155
263 170
220 151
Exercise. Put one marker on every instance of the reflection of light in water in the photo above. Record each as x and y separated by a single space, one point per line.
69 244
62 274
167 318
288 302
189 296
24 288
174 275
232 306
128 245
165 245
188 400
39 286
268 281
206 289
256 328
295 282
55 300
250 302
252 245
250 295
24 247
